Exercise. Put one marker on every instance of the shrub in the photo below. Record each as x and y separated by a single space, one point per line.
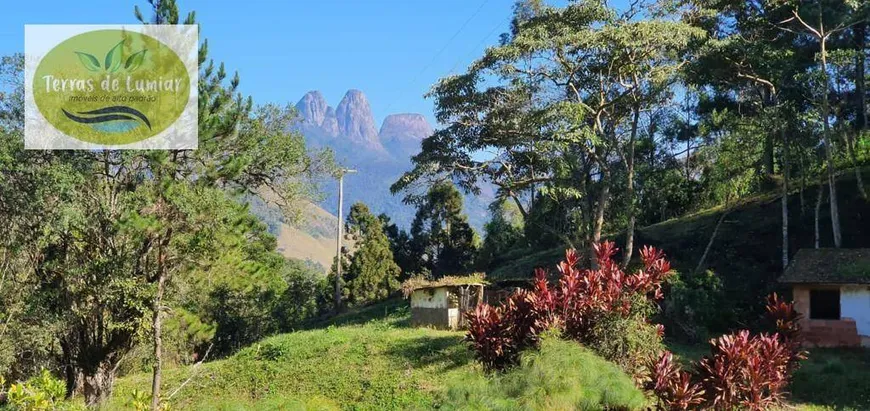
498 334
588 306
561 375
40 393
785 322
743 371
673 386
693 306
627 340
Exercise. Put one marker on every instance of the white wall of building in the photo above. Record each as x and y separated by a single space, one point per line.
429 298
855 304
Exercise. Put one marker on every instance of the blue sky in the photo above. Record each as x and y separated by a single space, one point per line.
393 50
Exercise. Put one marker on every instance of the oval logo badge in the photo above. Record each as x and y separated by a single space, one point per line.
111 87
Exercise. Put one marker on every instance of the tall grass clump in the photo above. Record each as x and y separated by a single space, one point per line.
561 375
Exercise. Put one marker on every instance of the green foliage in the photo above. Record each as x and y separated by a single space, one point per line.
503 232
371 363
443 241
186 340
692 306
141 401
370 273
835 378
551 116
42 392
628 340
402 247
117 228
562 375
279 296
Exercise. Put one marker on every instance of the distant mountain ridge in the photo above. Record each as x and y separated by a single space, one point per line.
381 155
351 126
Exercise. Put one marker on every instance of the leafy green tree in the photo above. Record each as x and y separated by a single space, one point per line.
402 247
503 232
818 21
556 109
372 274
116 227
442 238
26 331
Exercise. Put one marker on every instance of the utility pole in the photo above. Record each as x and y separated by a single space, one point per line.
338 236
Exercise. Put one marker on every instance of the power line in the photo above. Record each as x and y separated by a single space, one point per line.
477 46
443 48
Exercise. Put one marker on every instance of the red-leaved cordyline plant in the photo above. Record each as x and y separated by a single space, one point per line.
745 372
574 304
673 386
742 372
786 323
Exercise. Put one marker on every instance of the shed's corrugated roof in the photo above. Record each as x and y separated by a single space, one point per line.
829 266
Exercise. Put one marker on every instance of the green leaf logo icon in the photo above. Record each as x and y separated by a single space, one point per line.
134 61
113 59
90 62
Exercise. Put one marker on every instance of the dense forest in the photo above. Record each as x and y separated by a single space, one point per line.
591 121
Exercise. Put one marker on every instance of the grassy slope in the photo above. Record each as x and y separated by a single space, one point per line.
369 361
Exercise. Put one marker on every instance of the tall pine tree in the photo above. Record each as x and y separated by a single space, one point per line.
371 273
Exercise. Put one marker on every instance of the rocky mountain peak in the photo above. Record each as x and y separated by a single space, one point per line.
312 108
355 120
406 126
401 134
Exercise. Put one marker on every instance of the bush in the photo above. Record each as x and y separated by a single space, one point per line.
562 375
693 306
186 339
784 322
40 393
589 306
673 386
743 371
627 340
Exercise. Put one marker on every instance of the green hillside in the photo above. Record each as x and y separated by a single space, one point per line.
746 252
370 358
372 361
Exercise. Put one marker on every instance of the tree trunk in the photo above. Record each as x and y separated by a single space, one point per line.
629 231
97 383
710 243
819 194
829 152
73 376
768 157
858 178
784 198
603 198
860 32
803 182
157 324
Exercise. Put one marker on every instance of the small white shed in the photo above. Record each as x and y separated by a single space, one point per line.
831 289
442 303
